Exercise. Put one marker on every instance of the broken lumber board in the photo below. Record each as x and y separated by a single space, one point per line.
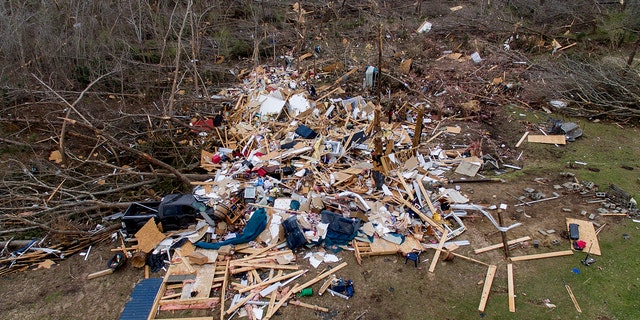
100 273
457 255
524 136
308 306
405 185
488 281
542 255
500 245
270 281
280 303
260 251
511 289
573 298
223 293
426 197
587 234
422 216
272 303
241 303
443 239
550 139
326 285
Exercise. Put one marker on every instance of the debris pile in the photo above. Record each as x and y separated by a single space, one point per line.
299 167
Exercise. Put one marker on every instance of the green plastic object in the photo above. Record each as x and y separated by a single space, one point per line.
307 292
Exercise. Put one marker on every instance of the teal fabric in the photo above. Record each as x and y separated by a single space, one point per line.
256 224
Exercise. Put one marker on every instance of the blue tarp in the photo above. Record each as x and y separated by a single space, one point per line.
256 224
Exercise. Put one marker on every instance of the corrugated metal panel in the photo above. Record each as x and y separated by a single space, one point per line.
141 299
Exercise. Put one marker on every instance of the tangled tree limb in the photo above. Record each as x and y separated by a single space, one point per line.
597 88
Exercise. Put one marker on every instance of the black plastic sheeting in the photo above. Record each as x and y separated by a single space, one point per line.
341 230
293 232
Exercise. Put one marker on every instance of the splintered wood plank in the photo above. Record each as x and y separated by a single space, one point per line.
405 185
223 289
443 239
551 139
488 281
542 255
587 234
241 303
422 216
270 281
524 136
500 245
512 296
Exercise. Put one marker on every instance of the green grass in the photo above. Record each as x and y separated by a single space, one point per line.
53 297
605 148
607 289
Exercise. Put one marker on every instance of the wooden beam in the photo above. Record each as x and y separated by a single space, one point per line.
272 302
511 289
488 281
241 302
443 239
573 298
524 136
426 197
223 290
99 274
500 245
267 266
542 255
309 306
405 186
280 303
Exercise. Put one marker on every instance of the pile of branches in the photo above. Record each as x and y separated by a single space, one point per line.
66 163
597 89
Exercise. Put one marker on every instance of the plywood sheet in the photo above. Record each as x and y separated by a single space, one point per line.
381 247
149 236
204 277
587 234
